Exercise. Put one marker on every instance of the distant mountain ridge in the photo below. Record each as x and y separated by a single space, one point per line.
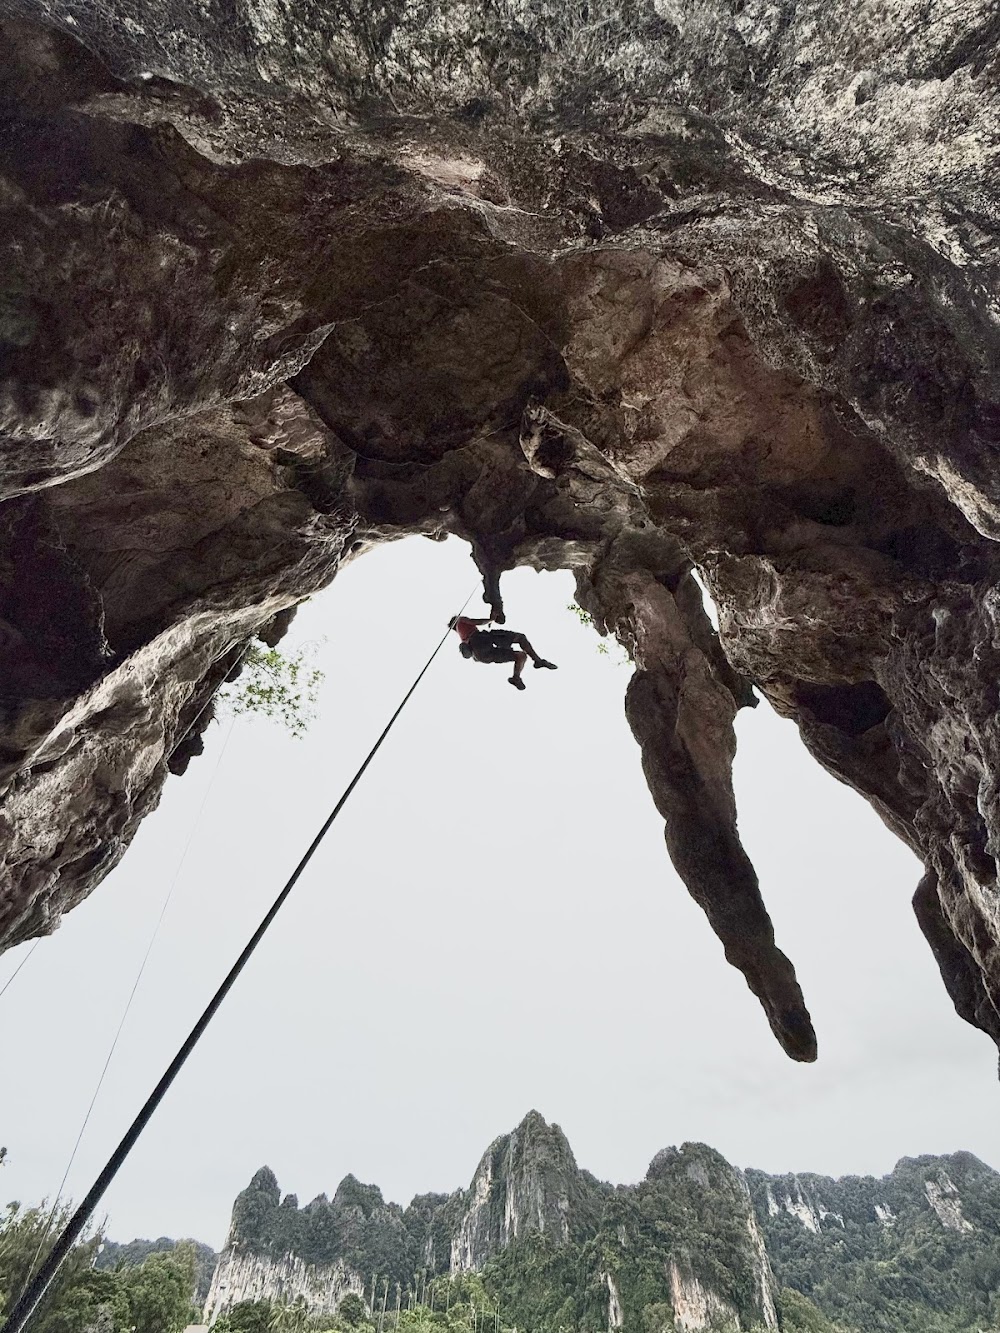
918 1249
696 1245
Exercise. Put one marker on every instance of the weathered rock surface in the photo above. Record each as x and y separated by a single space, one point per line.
634 289
888 1251
685 1241
695 1245
527 1181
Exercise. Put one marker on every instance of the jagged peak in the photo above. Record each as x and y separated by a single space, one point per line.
662 1160
670 1159
532 1143
956 1161
534 1128
354 1193
264 1178
535 1120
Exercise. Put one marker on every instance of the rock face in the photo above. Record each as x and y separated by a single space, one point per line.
243 1276
695 1245
921 1239
682 1246
331 1247
637 289
527 1181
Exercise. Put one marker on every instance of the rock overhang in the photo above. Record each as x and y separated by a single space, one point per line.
639 294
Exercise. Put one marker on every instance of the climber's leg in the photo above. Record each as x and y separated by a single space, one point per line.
536 660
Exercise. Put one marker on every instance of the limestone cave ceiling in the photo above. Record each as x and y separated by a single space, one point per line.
636 288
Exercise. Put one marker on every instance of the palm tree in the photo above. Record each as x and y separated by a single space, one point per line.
279 1320
289 1318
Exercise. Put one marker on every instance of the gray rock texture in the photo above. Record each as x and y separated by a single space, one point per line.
696 1244
637 289
527 1181
685 1241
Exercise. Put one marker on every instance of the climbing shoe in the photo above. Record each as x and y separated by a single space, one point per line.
550 666
517 682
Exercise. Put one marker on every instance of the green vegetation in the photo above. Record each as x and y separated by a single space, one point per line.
154 1296
460 1304
916 1252
275 685
289 1318
692 1211
356 1226
799 1315
246 1317
618 654
134 1252
895 1267
880 1259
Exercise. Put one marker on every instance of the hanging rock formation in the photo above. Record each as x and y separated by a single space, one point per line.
637 289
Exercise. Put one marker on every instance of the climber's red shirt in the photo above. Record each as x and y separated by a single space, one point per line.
465 628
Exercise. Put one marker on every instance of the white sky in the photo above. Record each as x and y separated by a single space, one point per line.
493 925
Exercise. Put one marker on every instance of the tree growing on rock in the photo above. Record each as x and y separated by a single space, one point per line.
275 685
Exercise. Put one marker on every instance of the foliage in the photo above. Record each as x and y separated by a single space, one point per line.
112 1254
897 1267
546 1287
158 1291
618 654
290 1317
874 1258
352 1310
799 1315
357 1226
278 686
151 1297
245 1317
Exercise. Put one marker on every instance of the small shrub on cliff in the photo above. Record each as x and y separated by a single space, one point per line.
617 654
275 685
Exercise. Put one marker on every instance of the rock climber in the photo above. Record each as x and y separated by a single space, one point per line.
496 645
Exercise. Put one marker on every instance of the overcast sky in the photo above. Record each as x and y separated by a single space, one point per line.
492 926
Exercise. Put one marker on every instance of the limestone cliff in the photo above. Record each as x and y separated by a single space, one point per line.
244 1276
697 1244
527 1181
637 289
685 1241
330 1247
921 1241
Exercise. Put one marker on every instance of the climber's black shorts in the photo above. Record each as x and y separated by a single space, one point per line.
494 645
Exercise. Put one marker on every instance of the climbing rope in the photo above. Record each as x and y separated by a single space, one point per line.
21 964
25 1306
128 1005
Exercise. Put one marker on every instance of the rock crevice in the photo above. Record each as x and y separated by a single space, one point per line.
639 291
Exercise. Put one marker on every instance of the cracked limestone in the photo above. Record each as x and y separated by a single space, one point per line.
638 290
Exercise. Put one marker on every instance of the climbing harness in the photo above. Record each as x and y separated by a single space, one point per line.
25 1306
